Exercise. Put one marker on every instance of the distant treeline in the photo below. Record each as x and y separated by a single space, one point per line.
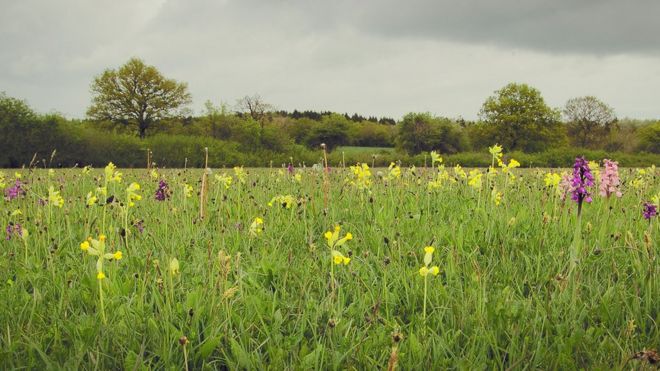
233 138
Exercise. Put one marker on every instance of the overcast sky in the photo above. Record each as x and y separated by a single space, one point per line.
383 58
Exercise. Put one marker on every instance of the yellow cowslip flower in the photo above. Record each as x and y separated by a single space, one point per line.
51 172
86 169
91 199
328 235
16 212
153 174
429 249
474 179
187 190
132 195
459 172
361 176
496 197
84 246
552 180
54 197
224 179
435 270
394 171
435 157
339 258
256 226
102 191
100 276
102 237
428 256
111 175
174 267
2 180
286 201
18 175
298 177
423 271
496 152
117 255
240 174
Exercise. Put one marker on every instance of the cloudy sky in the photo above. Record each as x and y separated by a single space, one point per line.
382 58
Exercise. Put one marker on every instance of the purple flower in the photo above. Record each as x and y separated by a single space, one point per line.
13 229
163 191
609 180
290 168
650 210
582 179
14 191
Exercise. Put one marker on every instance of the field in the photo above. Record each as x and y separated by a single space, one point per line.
307 269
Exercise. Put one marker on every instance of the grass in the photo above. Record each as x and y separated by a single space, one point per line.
506 296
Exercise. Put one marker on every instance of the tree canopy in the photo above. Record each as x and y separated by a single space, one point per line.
588 120
520 119
136 94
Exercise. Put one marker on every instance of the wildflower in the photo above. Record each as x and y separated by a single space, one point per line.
290 168
153 174
224 180
85 170
595 169
91 199
496 196
100 276
459 172
474 179
339 258
435 157
298 177
257 226
565 186
240 174
117 255
111 175
163 191
361 176
15 191
187 190
582 179
609 181
2 180
496 152
286 201
13 229
54 197
552 180
650 210
394 172
139 225
84 246
96 247
132 195
174 267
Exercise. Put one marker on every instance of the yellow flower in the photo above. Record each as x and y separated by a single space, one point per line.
117 255
435 157
102 238
240 174
552 179
423 271
474 179
187 190
54 197
435 270
337 259
328 235
346 260
91 199
256 226
349 236
51 172
84 245
429 249
86 169
100 276
174 267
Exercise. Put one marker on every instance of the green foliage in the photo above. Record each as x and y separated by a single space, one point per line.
419 132
332 130
649 138
521 120
137 94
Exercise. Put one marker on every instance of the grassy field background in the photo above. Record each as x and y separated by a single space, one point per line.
509 293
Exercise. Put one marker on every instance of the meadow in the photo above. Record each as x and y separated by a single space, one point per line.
349 268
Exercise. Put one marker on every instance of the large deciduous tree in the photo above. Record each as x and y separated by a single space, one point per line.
588 120
520 119
136 94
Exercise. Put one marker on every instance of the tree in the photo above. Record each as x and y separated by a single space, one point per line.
588 120
649 138
419 132
136 94
521 120
255 107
